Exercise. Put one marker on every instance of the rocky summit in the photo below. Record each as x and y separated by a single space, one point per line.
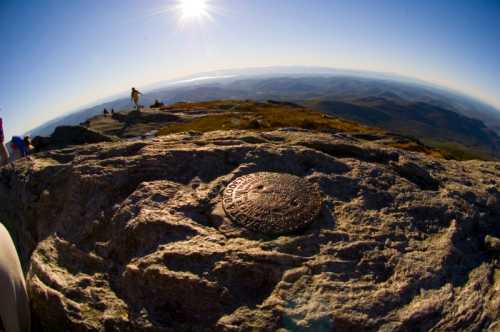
132 236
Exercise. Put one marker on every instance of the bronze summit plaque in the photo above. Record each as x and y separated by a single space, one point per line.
272 203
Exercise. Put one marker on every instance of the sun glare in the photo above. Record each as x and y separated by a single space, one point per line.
193 9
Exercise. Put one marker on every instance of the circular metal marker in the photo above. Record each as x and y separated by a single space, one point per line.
272 203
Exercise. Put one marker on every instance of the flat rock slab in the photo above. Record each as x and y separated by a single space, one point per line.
272 203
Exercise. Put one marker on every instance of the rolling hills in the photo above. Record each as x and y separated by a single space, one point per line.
434 115
229 115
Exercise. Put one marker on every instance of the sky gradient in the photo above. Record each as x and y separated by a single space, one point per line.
58 55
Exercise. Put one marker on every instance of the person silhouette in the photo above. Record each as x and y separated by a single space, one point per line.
134 95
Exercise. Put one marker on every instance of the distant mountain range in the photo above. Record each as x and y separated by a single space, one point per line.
432 114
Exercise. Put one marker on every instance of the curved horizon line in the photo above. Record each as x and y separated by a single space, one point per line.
223 73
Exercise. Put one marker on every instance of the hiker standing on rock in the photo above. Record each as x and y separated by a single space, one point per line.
4 156
134 95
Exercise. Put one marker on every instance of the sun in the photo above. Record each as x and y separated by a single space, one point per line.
193 9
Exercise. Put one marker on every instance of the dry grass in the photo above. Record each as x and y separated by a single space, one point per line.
460 152
247 115
251 115
416 147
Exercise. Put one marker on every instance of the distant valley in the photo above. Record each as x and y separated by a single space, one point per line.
433 115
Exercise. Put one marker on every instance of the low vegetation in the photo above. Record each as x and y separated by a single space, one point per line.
259 116
418 147
460 152
248 115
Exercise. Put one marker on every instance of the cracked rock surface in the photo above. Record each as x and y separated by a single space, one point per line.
131 236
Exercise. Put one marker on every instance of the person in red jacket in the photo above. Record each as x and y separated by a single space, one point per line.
4 156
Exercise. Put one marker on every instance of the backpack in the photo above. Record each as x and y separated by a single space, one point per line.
18 143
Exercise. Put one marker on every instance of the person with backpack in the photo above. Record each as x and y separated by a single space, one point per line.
20 147
4 156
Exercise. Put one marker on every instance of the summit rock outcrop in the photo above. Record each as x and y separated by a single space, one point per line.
132 236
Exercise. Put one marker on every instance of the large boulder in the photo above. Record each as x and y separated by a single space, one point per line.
64 136
131 236
138 117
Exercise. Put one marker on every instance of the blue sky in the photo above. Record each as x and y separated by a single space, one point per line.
58 55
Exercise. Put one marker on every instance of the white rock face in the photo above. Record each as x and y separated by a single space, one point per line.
132 237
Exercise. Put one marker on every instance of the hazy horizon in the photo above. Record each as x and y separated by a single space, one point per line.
202 77
58 56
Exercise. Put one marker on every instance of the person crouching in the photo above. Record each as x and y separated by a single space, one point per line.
21 147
